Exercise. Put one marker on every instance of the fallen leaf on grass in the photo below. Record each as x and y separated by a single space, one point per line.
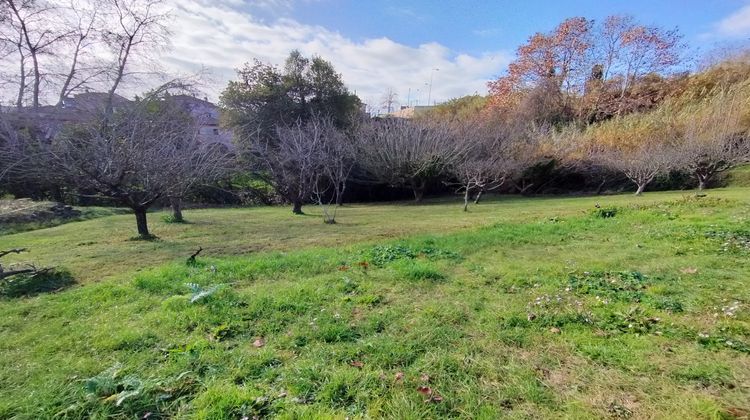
431 396
425 377
259 342
357 364
424 390
435 398
399 376
554 330
689 270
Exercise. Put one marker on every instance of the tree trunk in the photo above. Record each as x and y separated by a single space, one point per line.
479 196
176 203
641 187
297 206
37 80
466 199
418 188
22 81
340 195
71 73
140 219
600 187
702 181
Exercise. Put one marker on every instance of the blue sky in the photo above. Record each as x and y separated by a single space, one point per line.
388 44
477 26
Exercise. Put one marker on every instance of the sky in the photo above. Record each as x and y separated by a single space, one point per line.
436 50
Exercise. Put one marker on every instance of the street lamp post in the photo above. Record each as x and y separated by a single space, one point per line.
429 94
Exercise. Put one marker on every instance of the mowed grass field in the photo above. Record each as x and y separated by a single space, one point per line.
520 308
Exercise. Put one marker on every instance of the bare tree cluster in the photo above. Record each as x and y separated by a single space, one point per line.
404 153
714 138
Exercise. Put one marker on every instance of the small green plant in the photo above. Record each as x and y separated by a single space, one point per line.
634 321
349 286
382 254
169 218
147 238
605 212
731 241
200 293
624 286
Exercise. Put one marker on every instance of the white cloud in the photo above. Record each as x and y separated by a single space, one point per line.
737 24
221 37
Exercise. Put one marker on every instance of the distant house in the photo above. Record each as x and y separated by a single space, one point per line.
83 106
408 112
207 115
92 102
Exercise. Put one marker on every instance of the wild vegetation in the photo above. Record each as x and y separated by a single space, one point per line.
635 311
586 304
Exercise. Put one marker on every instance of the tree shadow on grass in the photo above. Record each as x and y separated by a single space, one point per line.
27 285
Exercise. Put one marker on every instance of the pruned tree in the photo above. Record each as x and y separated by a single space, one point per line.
405 153
339 156
308 160
482 158
135 156
715 137
642 163
290 161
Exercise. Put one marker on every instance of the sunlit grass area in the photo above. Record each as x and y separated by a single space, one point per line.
103 247
522 307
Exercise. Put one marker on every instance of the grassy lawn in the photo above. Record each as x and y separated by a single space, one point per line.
521 308
36 215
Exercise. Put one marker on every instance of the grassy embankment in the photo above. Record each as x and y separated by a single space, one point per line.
523 307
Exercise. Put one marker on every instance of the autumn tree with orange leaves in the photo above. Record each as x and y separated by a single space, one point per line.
584 70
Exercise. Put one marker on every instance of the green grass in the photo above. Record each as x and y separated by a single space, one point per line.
739 177
86 213
522 308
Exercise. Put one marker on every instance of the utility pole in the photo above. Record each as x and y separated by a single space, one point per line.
429 94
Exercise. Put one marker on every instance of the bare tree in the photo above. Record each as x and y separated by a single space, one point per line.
388 100
134 29
307 160
715 137
482 158
640 163
290 160
34 27
336 160
339 158
136 156
405 153
79 66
